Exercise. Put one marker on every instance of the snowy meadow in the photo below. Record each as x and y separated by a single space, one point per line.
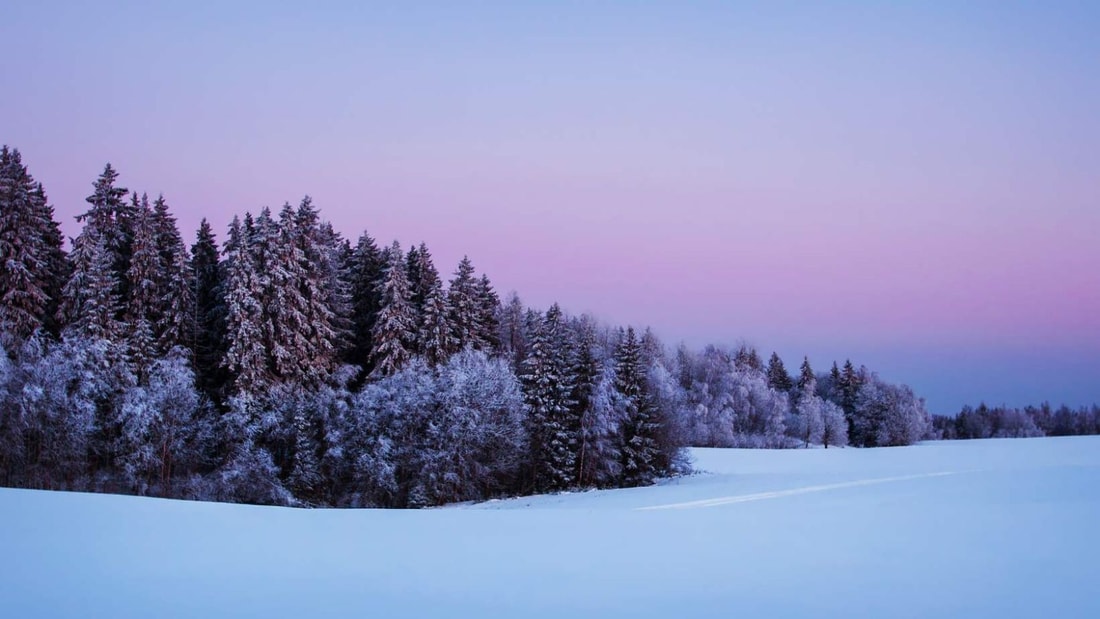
993 528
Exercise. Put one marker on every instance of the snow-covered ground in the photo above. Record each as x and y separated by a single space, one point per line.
1000 528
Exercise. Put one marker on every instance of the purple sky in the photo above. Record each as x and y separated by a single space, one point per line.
914 187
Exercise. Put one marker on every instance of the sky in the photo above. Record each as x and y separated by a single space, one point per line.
913 186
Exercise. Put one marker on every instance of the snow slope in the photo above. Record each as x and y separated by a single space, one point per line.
999 528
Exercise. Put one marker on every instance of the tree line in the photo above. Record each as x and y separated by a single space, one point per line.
288 365
1008 422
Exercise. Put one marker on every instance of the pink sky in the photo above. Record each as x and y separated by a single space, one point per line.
914 188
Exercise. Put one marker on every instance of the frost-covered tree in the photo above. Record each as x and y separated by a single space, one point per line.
32 262
513 332
552 420
245 357
207 344
778 378
640 449
807 423
365 270
488 312
143 279
835 426
464 304
173 311
158 423
395 326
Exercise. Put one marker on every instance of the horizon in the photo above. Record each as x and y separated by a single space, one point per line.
908 187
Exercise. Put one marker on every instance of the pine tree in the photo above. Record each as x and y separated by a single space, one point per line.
488 316
747 359
584 376
434 337
778 378
96 295
465 311
142 277
245 357
640 426
547 389
513 332
207 343
806 375
395 327
365 271
32 262
89 299
174 310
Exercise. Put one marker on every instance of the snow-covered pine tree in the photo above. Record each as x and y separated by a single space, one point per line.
585 372
426 296
462 299
640 427
207 343
488 316
89 300
143 278
434 336
32 262
806 375
546 388
365 270
245 357
314 281
778 378
395 326
94 297
174 310
513 332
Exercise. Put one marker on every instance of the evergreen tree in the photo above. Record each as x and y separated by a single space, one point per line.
395 327
584 375
434 337
142 277
207 344
552 429
806 375
778 378
748 359
465 308
640 427
32 262
245 357
89 299
174 310
365 271
488 316
513 332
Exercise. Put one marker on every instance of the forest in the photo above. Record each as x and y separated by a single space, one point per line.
290 365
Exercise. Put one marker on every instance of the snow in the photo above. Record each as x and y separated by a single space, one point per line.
994 528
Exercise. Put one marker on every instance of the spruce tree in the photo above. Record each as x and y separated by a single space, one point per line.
547 389
584 376
513 332
365 270
640 425
806 374
143 303
174 310
32 262
426 288
207 343
395 327
464 306
245 357
488 316
778 378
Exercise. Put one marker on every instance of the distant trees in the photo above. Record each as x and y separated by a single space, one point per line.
1006 422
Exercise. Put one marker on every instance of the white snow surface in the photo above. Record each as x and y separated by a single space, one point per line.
997 528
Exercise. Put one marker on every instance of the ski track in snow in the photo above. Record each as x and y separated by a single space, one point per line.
776 494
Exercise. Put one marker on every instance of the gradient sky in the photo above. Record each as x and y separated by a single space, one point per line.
915 186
